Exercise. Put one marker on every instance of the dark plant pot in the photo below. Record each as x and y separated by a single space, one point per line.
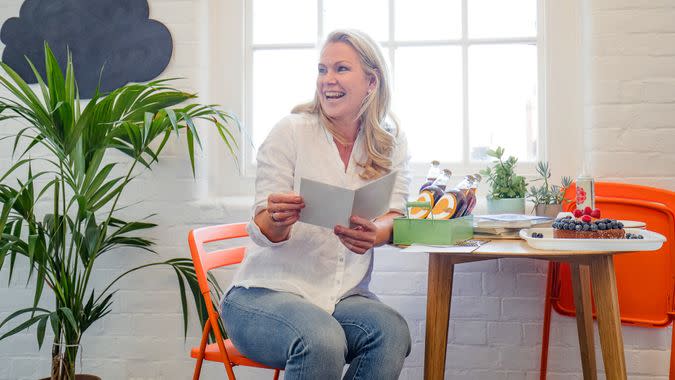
548 210
79 377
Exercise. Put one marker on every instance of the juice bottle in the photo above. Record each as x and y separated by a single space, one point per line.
471 196
433 173
437 188
451 204
461 193
431 193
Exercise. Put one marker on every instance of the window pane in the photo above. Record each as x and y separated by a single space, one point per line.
276 21
282 79
428 19
428 101
503 100
502 18
370 16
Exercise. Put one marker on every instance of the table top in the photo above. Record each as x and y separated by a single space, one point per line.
516 248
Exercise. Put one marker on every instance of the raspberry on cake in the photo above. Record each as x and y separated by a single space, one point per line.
587 224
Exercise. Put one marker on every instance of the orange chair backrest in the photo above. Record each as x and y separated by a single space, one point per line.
204 261
644 279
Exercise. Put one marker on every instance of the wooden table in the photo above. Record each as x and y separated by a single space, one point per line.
585 265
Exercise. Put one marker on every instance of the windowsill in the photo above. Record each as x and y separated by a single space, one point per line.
227 209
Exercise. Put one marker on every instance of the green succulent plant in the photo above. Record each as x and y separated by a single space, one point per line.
63 213
546 193
502 178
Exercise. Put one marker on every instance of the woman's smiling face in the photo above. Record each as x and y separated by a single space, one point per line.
342 84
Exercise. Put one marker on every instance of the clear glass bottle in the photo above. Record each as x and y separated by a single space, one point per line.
585 194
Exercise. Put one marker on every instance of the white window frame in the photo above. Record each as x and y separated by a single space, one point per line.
562 80
463 167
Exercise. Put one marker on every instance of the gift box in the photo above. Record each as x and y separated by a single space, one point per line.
430 231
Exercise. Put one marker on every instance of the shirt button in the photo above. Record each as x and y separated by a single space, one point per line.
342 259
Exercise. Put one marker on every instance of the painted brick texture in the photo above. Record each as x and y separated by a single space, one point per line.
497 308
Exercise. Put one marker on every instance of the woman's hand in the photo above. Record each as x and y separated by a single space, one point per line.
284 208
360 238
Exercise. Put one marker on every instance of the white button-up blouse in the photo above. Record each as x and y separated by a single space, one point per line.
312 263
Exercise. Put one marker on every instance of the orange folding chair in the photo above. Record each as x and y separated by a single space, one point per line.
645 280
222 350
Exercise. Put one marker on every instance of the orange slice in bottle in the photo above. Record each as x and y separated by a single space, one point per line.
445 208
419 212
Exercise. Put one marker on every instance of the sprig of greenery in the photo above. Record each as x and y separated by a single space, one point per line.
548 194
504 183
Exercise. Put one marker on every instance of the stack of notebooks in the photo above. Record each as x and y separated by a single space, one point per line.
505 226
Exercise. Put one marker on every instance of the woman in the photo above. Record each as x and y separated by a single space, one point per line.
301 300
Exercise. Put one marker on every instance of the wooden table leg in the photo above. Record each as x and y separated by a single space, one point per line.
439 294
581 286
609 319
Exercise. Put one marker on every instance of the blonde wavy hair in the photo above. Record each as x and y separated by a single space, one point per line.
380 127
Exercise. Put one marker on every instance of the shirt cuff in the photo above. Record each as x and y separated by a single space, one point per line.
260 239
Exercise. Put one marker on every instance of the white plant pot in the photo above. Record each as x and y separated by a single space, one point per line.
506 206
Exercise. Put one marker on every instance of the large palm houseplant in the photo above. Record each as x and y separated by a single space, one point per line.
82 185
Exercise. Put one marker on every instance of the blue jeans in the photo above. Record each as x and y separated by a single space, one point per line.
283 330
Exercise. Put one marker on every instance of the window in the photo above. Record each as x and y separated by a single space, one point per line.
466 74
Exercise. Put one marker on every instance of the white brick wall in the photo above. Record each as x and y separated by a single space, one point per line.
497 309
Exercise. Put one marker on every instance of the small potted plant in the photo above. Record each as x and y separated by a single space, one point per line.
507 190
548 198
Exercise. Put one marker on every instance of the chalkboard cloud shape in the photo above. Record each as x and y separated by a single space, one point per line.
116 35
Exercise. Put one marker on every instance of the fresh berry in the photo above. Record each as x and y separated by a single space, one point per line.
577 213
588 210
594 227
586 227
586 218
578 227
602 226
620 224
596 213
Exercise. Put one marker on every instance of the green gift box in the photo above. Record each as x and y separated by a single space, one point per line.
429 231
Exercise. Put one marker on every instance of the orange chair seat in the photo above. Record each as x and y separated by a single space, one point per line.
237 358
